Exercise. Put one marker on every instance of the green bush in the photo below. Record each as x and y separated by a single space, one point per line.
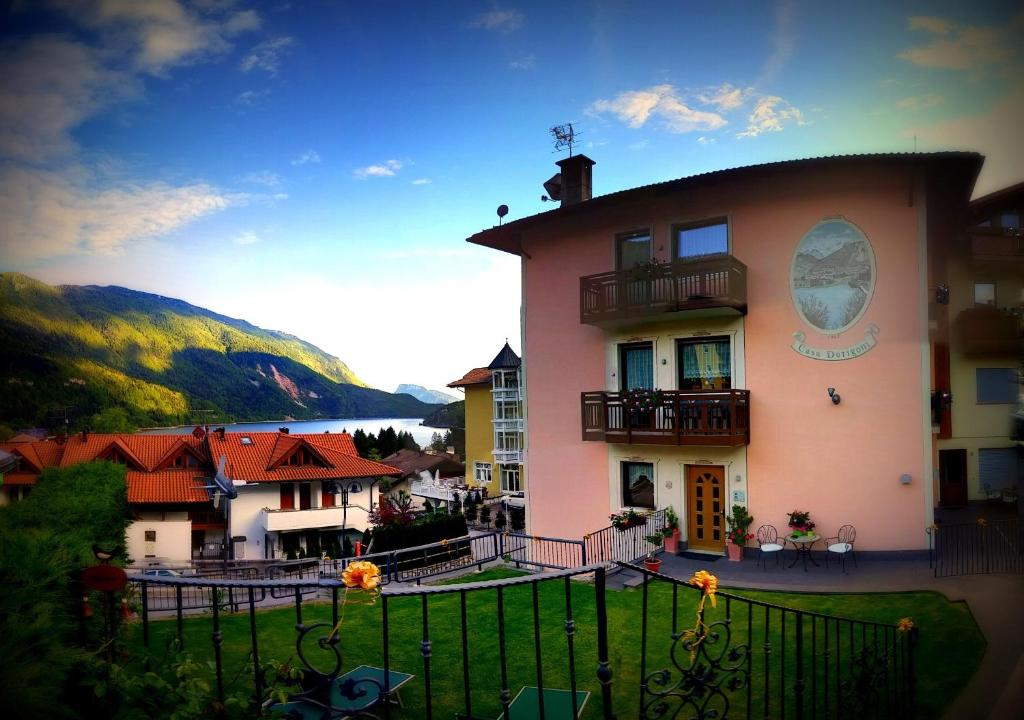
45 540
429 529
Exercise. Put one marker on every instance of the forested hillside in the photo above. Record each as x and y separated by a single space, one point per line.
82 349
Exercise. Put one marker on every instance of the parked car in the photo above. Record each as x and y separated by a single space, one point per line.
161 572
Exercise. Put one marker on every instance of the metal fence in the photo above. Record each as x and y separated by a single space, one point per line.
982 547
612 545
467 649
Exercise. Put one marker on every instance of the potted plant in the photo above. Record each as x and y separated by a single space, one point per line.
737 534
800 523
650 562
625 519
671 530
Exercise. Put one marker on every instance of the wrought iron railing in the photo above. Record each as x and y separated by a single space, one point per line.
469 648
680 417
611 545
712 282
982 547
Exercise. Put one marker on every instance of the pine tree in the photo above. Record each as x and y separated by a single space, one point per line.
485 515
470 511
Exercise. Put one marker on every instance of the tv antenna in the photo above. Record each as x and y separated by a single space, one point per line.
564 135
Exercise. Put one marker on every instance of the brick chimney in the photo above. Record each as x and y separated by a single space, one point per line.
577 185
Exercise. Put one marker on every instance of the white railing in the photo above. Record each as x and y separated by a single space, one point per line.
508 425
435 491
322 517
505 393
507 457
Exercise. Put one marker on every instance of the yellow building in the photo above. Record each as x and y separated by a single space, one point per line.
495 427
978 365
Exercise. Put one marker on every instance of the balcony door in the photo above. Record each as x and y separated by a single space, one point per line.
632 249
636 366
704 364
705 504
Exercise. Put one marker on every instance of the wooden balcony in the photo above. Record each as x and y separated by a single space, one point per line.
997 244
717 284
990 331
713 417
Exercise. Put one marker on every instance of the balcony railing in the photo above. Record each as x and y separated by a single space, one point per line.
714 417
718 282
508 457
997 244
321 517
990 331
508 424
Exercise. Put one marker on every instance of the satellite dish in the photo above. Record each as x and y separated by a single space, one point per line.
502 210
554 187
223 482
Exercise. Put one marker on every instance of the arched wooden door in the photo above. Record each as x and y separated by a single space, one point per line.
705 496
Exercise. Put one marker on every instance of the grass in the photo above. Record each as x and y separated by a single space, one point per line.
950 647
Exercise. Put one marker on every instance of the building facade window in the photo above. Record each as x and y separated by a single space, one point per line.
506 410
638 485
636 366
150 535
984 293
997 386
482 473
632 249
510 475
505 379
710 237
508 441
704 364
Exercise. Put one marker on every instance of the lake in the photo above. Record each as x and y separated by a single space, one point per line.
368 425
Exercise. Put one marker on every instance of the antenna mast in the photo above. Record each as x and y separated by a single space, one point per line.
564 135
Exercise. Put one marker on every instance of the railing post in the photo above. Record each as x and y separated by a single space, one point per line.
604 671
798 688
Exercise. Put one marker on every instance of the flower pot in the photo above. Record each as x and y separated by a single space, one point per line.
652 564
672 542
735 551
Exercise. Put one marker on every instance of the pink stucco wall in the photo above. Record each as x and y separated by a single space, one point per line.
842 463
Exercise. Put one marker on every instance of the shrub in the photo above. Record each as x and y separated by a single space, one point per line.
429 529
517 519
500 521
485 515
471 511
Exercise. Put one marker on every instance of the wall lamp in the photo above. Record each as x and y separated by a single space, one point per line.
942 294
835 396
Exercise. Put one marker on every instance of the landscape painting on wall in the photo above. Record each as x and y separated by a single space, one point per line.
832 276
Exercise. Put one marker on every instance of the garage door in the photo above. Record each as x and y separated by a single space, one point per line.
998 467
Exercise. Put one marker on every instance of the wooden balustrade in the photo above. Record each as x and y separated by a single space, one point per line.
682 417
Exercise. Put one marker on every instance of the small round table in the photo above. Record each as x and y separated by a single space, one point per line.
802 544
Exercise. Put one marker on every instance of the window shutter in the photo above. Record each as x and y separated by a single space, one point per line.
998 467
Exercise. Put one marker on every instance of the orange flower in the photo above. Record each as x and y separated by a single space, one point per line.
707 583
361 574
905 625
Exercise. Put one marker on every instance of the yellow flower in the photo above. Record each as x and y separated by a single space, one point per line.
905 625
362 574
982 521
707 583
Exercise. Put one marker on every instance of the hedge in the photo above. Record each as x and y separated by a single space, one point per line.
430 529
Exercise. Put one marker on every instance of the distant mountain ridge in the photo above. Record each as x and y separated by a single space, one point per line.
428 396
87 348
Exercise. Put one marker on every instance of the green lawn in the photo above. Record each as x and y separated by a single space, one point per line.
950 647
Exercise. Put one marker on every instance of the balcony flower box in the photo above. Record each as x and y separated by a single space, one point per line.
626 519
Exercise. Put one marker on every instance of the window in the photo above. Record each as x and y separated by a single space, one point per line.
984 293
632 249
245 440
636 366
705 238
506 410
510 478
638 485
287 496
505 379
704 364
997 385
326 496
482 473
508 441
305 496
150 535
1010 220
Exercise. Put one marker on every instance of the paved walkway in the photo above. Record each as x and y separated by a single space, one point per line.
997 602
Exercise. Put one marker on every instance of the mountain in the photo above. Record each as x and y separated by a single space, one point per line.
428 396
452 415
81 349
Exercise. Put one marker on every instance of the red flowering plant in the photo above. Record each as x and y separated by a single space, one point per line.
643 399
739 523
800 522
393 510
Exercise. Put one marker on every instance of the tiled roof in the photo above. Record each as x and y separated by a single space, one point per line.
23 437
507 237
148 450
36 455
166 486
249 462
475 376
411 462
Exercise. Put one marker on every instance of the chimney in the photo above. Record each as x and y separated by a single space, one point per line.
220 432
85 435
283 430
577 185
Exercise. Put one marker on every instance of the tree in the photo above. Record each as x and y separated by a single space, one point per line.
518 519
437 442
112 420
485 515
500 521
470 511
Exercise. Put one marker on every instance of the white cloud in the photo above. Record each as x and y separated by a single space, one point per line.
267 55
725 97
499 20
161 35
310 156
639 145
386 169
48 213
422 181
703 140
527 62
247 237
636 107
956 47
251 97
920 102
50 86
263 177
771 114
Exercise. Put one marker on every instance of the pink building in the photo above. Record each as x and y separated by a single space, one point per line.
761 336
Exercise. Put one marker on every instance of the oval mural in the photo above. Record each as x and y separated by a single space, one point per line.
832 276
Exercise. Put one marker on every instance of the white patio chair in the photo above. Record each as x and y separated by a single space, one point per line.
842 545
768 542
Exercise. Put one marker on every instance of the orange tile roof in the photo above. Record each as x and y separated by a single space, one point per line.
250 462
20 478
149 450
22 437
475 376
166 486
36 455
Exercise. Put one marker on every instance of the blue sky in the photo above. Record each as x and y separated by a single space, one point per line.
315 167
